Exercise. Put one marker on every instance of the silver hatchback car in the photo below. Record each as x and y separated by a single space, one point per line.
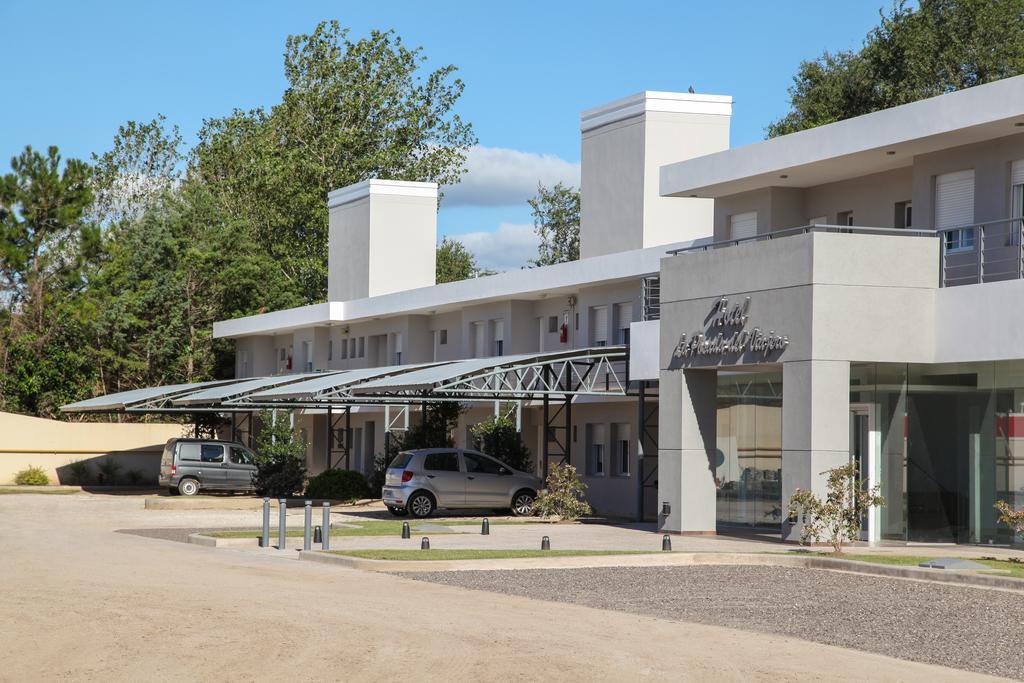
421 481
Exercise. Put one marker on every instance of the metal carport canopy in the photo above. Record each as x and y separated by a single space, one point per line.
148 399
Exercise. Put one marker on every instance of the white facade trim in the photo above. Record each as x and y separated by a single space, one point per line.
854 147
529 283
655 101
375 186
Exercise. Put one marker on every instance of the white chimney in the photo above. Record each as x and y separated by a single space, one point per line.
382 238
624 144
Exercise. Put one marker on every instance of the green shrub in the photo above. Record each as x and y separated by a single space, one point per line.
32 476
499 438
108 470
563 495
345 485
280 458
380 470
79 471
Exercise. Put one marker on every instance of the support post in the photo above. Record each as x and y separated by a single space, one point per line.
348 437
326 526
265 538
330 435
307 521
641 426
282 521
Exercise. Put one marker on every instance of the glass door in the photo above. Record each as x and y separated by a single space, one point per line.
863 453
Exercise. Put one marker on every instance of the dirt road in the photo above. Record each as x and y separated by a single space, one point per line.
81 602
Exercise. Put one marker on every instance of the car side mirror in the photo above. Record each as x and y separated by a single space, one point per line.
504 470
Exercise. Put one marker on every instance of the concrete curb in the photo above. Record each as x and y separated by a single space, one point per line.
202 502
676 559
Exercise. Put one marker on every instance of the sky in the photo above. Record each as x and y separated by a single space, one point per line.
75 71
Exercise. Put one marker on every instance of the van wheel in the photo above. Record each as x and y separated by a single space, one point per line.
188 487
397 512
522 503
420 504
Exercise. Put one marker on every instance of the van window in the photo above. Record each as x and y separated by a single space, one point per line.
401 460
188 451
240 456
212 453
441 462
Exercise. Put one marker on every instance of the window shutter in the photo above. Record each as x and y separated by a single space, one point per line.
743 225
1017 173
600 324
954 199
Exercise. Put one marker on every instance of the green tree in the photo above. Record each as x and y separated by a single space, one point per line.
280 457
352 110
556 220
455 262
497 436
943 46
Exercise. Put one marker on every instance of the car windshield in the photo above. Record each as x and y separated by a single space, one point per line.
401 460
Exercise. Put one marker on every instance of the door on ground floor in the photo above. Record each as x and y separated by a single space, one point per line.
864 454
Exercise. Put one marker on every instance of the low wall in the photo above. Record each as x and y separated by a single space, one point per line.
53 445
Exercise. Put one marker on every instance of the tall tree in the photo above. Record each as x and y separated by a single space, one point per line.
455 262
943 46
556 220
353 110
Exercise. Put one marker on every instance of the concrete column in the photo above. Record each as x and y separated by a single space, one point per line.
815 427
686 446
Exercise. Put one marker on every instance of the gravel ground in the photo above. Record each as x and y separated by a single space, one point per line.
961 627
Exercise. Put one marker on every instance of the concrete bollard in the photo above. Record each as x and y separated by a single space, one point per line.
307 522
545 543
282 521
326 543
405 530
666 543
318 536
425 543
265 538
485 528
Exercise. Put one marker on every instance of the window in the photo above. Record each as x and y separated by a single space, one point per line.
352 347
211 453
243 369
281 354
499 337
960 240
620 449
330 349
441 462
398 348
623 318
552 324
599 325
595 436
362 347
743 225
597 459
1017 199
344 349
240 456
481 464
954 207
188 451
307 356
442 337
844 218
903 215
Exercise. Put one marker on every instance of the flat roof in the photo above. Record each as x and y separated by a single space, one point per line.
528 283
854 147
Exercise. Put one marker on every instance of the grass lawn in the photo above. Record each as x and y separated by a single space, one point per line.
379 527
471 554
36 489
1000 567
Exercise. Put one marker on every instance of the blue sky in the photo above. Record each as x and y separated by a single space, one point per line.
74 71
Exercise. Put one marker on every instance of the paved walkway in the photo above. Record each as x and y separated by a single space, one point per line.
83 603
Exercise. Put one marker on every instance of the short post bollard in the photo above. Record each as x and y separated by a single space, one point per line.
307 522
282 517
485 528
545 543
425 544
666 543
318 536
265 538
327 527
405 530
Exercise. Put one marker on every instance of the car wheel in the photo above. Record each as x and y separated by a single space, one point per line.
420 504
397 512
522 503
188 487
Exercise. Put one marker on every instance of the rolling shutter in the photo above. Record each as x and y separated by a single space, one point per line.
600 325
954 199
743 225
1017 173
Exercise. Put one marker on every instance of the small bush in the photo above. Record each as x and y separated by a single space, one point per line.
79 471
836 519
280 458
499 438
108 470
563 495
32 476
345 485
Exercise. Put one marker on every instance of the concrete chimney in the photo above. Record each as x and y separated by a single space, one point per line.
382 238
624 144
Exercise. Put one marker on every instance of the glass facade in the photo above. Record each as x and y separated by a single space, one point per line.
950 443
748 461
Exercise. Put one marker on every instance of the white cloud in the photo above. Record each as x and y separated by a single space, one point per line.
510 247
503 177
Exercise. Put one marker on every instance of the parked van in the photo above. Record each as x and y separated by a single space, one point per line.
191 465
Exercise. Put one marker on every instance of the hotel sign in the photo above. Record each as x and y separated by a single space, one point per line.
726 333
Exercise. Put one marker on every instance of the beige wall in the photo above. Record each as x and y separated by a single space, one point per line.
31 441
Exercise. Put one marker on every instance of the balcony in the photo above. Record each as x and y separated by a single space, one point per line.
969 254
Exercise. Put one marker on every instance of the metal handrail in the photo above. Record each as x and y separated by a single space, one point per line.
804 229
982 268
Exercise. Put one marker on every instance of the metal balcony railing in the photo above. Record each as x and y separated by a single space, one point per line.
982 252
651 298
804 229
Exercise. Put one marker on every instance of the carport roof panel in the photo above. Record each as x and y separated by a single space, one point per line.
428 377
312 387
123 399
220 393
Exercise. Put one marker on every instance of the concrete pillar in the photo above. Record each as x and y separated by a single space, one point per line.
686 447
815 427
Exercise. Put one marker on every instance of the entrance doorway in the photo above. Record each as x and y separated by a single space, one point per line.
864 438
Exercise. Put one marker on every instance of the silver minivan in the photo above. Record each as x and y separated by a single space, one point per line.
421 481
190 465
